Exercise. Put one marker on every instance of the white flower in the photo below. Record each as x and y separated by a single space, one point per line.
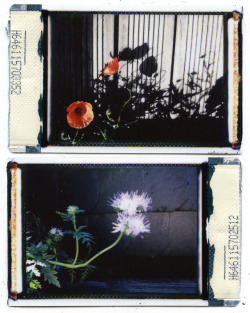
131 224
131 203
56 231
72 209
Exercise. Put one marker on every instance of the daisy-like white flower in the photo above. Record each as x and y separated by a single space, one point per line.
133 225
131 203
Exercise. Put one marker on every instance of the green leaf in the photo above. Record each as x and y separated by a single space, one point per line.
86 271
65 217
69 232
34 284
50 276
81 227
47 257
72 274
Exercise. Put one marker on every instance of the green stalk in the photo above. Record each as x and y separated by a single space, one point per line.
90 260
125 103
73 142
77 243
123 107
54 250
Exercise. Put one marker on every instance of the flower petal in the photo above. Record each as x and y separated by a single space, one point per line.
80 114
112 67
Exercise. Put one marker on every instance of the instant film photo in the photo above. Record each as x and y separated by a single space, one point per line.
124 234
118 81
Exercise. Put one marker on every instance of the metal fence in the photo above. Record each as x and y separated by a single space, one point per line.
162 52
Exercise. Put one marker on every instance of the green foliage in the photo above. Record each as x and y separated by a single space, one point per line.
34 284
82 273
66 217
40 254
35 227
85 271
85 237
50 276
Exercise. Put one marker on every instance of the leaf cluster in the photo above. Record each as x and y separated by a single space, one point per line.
39 255
85 237
81 273
50 276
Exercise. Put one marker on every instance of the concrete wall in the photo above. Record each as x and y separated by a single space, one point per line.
173 216
171 188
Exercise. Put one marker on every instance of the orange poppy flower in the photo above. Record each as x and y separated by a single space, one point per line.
80 114
112 67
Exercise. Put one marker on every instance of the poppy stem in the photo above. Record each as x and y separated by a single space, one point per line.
123 107
119 118
73 142
103 134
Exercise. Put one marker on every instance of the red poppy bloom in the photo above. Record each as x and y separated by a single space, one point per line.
80 114
112 67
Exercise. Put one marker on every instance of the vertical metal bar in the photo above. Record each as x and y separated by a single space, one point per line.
146 67
141 106
215 48
208 22
191 45
128 41
116 46
84 58
217 27
91 18
72 62
102 48
133 43
97 48
157 51
219 50
137 58
116 34
197 30
209 78
185 56
172 66
153 33
200 56
162 51
196 41
192 35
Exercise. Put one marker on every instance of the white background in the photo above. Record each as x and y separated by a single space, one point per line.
6 156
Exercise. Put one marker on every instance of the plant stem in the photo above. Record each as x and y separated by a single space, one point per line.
90 260
29 255
103 134
54 250
125 103
73 142
77 244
